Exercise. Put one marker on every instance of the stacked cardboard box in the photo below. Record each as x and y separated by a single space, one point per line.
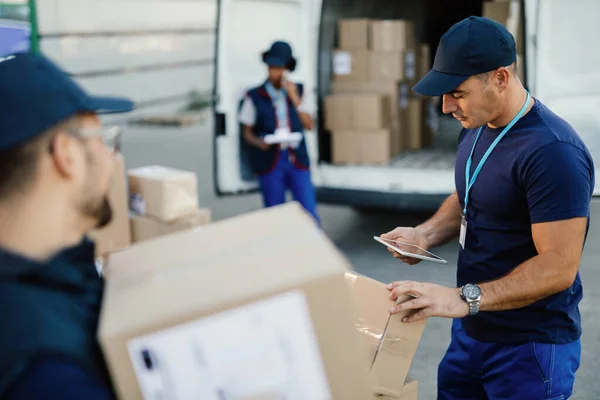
164 200
373 58
116 235
508 13
210 314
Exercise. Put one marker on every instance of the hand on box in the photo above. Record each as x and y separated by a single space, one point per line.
429 300
408 235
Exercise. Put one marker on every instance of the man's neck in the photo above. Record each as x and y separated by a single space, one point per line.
33 230
514 104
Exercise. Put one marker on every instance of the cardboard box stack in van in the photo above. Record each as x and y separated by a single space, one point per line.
373 57
260 306
163 200
116 235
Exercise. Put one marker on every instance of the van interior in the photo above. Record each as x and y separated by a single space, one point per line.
432 18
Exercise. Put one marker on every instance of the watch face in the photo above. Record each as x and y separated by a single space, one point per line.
471 291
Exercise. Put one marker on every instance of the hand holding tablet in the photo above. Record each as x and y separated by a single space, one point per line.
409 250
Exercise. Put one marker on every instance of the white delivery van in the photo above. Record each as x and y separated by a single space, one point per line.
561 64
159 52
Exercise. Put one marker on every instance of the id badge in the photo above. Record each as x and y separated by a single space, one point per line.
463 232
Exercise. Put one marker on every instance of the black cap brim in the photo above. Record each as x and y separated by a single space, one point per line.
109 105
437 83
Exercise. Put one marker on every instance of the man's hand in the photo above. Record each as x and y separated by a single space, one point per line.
261 144
408 235
430 300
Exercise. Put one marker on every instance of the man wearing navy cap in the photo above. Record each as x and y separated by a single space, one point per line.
55 168
279 105
521 209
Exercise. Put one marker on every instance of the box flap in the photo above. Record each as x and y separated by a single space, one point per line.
391 342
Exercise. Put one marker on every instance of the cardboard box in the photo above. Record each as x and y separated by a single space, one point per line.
409 392
209 315
392 35
414 112
400 65
388 88
423 60
350 65
144 228
353 34
162 193
361 147
508 13
362 111
392 343
116 235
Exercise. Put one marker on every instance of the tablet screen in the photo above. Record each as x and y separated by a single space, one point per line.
411 249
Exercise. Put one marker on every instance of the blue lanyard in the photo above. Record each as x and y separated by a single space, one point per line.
469 181
278 97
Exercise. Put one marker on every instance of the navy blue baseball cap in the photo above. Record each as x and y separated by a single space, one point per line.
35 95
280 55
470 47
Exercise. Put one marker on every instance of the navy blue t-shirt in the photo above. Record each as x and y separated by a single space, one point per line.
541 171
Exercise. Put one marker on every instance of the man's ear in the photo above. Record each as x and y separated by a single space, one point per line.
63 154
501 78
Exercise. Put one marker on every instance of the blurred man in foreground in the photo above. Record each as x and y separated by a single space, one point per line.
55 169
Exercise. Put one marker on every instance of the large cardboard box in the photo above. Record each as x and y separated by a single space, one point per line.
508 13
244 308
116 235
361 147
353 33
145 228
409 392
392 35
351 65
163 193
362 111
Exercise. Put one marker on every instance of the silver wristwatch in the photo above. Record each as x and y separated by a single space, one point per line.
471 293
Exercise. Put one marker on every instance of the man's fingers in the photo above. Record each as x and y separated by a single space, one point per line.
417 316
394 285
415 304
404 288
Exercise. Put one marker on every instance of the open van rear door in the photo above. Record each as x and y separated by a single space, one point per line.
564 65
245 29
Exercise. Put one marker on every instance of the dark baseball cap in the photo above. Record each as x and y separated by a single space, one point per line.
35 95
472 46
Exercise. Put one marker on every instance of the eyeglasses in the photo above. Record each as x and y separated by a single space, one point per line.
111 136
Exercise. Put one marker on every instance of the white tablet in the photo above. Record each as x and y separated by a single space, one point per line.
410 250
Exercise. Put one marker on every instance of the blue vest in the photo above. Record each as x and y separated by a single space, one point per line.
263 162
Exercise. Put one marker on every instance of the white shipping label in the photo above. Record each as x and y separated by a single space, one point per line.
266 348
342 63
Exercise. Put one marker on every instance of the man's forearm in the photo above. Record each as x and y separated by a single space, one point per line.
445 224
535 279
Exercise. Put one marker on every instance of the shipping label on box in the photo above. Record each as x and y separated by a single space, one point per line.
163 193
392 35
354 34
277 354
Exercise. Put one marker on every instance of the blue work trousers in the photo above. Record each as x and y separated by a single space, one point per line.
474 370
285 175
